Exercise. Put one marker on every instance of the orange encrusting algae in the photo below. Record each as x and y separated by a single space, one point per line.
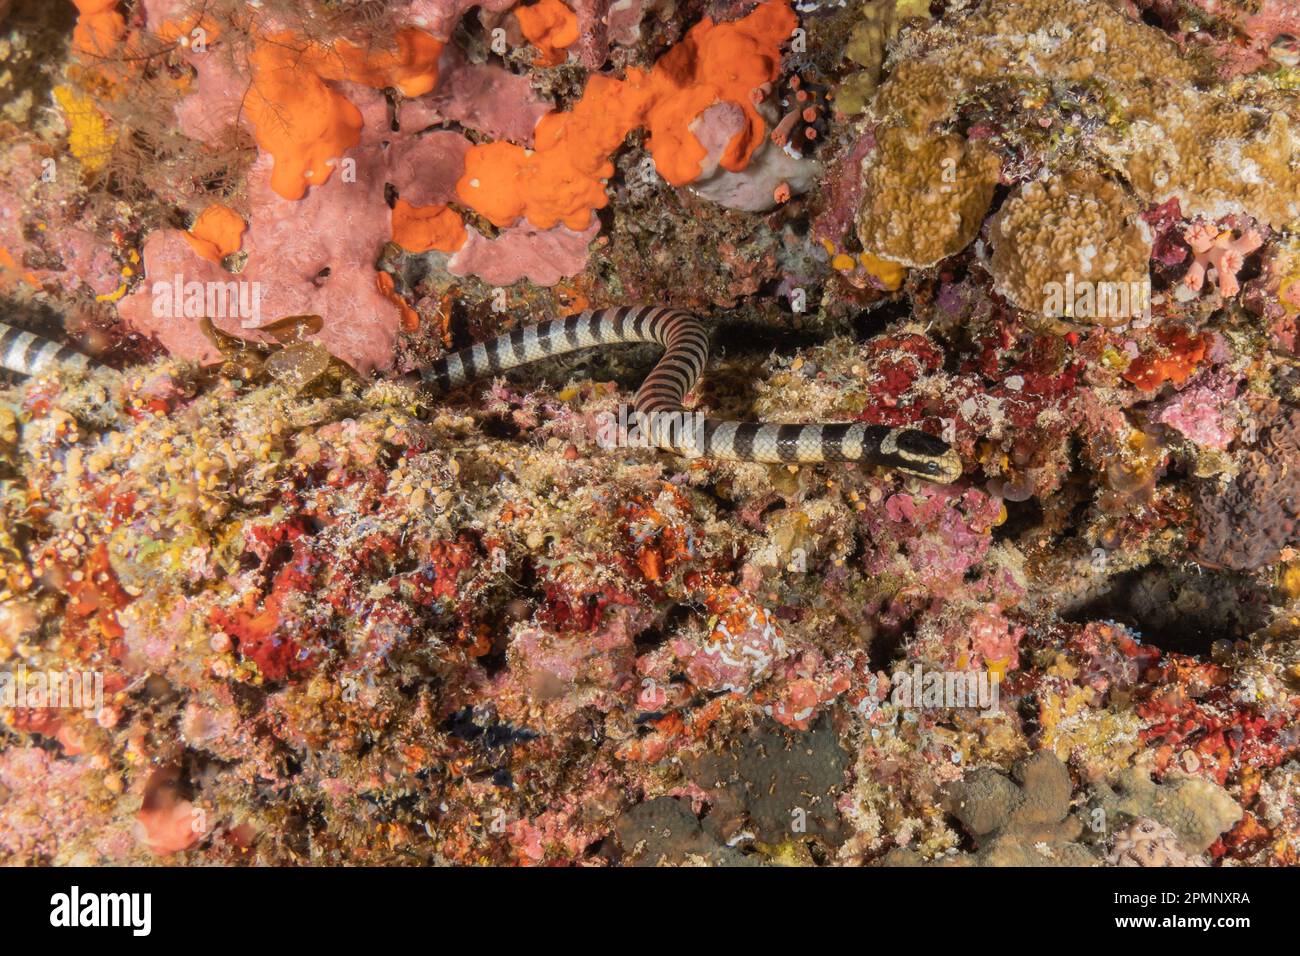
550 26
425 228
562 179
303 122
217 233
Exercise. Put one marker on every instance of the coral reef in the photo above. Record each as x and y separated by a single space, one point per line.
325 616
1248 523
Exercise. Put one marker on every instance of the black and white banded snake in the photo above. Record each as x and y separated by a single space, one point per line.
686 350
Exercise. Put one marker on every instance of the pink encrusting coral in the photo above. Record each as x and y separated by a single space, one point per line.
1201 411
300 260
481 96
541 256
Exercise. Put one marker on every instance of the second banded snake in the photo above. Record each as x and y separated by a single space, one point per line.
686 349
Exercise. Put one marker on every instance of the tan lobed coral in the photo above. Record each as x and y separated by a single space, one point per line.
1196 810
1217 155
1073 231
868 43
1165 128
925 196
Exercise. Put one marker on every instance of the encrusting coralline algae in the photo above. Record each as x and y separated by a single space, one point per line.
338 618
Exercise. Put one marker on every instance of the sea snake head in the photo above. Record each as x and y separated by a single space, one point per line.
919 453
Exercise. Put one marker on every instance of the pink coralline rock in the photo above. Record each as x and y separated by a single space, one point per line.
35 829
424 169
936 534
26 199
440 17
573 670
1166 222
87 259
213 107
542 256
1197 412
732 658
1260 29
563 829
623 20
150 635
305 257
843 192
207 725
1239 35
804 685
967 636
479 96
167 823
592 46
993 641
1218 250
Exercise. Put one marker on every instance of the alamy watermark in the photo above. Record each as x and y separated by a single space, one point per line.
682 430
1087 300
76 909
919 689
62 690
179 299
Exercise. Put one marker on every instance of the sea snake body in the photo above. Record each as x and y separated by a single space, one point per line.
29 354
658 402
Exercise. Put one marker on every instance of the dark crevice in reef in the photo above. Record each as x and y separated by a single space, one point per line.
673 621
1022 517
869 323
1177 609
886 648
751 338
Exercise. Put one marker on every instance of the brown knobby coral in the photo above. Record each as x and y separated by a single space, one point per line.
1073 248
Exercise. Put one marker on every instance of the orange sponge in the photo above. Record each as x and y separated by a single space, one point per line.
421 228
551 27
302 121
217 233
412 68
99 26
563 179
713 64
